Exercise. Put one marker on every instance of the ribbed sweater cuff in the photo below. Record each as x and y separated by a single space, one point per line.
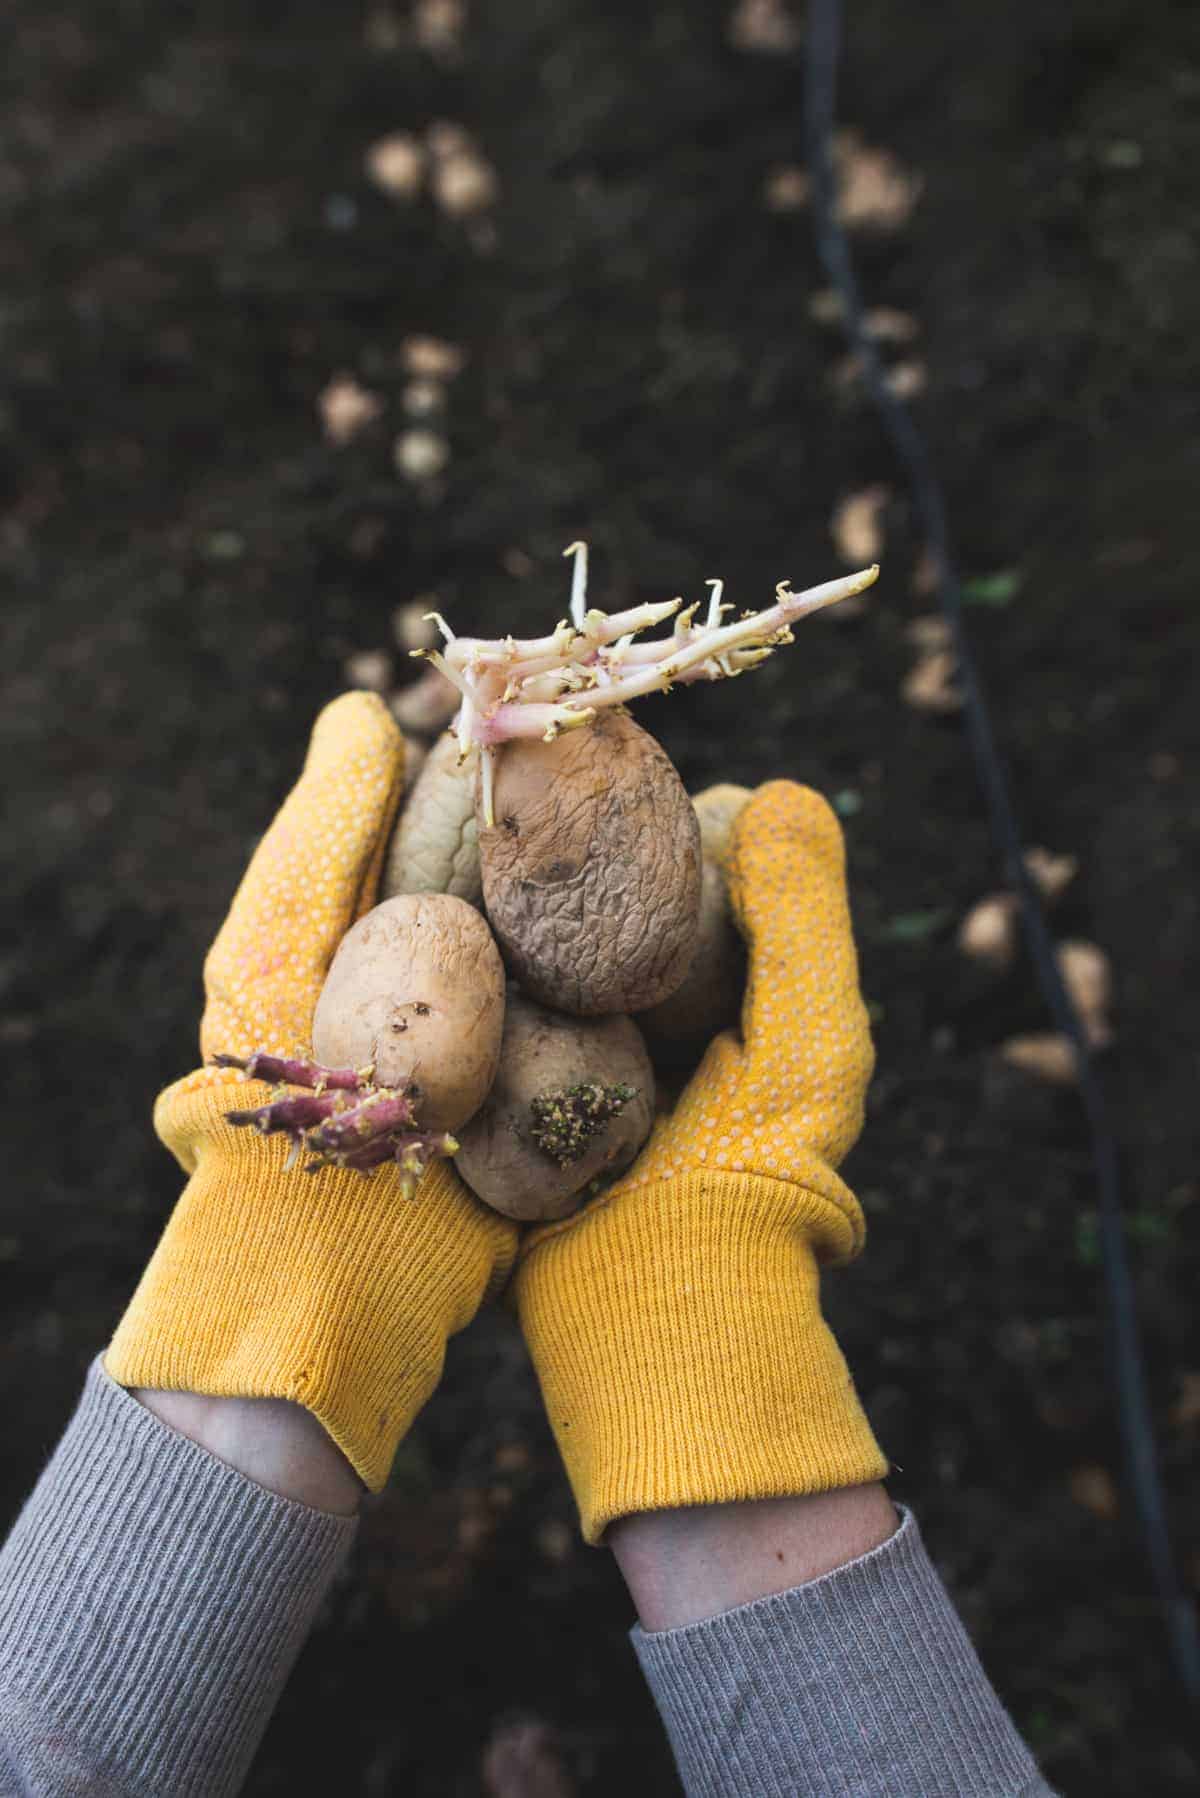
857 1684
152 1603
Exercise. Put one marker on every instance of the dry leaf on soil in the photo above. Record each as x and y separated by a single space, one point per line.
369 668
765 26
786 189
426 707
396 164
874 191
346 409
857 525
1051 874
463 181
1087 975
928 632
420 398
420 455
1095 1489
1048 1056
988 933
905 380
522 1760
412 628
438 26
932 686
825 306
887 325
431 358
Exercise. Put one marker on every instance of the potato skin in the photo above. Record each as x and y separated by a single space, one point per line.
542 1052
417 988
591 872
717 811
709 997
435 848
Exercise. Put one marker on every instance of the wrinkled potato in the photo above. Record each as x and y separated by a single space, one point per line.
435 848
709 998
591 872
416 990
573 1099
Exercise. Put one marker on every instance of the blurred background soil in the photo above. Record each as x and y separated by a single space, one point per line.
194 247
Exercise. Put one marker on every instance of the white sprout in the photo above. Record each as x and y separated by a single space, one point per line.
539 687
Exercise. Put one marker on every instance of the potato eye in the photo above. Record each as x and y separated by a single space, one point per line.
422 1010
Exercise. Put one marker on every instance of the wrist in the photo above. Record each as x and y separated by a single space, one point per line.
275 1443
329 1290
683 1566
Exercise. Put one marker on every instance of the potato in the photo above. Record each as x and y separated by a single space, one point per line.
717 811
591 872
678 1031
435 848
556 1117
417 989
709 998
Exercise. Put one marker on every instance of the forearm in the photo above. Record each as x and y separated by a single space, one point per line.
861 1665
276 1444
682 1566
152 1602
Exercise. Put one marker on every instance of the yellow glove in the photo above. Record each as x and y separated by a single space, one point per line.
675 1323
330 1289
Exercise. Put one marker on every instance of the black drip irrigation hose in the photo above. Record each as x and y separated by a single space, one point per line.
1137 1428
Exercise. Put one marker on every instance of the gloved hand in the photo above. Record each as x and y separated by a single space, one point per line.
675 1323
330 1289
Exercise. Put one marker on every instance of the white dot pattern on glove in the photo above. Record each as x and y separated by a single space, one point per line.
315 871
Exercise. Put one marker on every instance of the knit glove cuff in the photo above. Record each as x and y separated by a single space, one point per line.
329 1289
678 1338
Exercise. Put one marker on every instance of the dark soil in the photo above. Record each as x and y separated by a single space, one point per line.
190 251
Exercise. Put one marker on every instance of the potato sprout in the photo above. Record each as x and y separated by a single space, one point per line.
541 686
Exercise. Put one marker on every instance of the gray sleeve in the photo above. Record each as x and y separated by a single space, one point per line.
862 1684
152 1603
